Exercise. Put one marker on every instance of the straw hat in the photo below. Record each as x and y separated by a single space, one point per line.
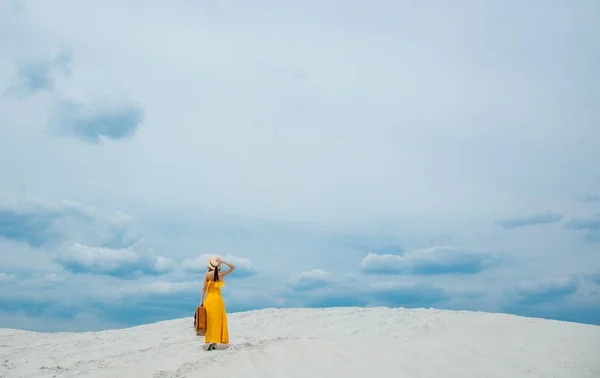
212 262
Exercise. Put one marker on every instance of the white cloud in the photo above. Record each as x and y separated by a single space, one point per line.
243 266
311 280
97 122
323 289
7 277
124 263
42 224
163 264
437 260
53 278
162 288
546 289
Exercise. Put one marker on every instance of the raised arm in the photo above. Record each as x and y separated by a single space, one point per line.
230 265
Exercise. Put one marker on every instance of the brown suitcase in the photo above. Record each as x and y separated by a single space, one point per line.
200 320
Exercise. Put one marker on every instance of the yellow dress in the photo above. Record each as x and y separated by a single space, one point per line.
216 317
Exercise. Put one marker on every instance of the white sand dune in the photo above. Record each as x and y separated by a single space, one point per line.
340 342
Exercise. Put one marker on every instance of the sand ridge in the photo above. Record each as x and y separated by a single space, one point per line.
344 342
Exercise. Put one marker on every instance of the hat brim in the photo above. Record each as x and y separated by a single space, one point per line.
212 263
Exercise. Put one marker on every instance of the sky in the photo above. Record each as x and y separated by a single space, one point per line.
390 153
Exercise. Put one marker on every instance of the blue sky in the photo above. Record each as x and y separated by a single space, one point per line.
414 154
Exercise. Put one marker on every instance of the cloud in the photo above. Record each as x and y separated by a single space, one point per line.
33 280
386 293
141 303
546 290
7 277
39 75
62 297
119 231
36 306
96 121
319 288
590 227
594 278
112 302
44 322
565 308
164 288
51 224
588 224
568 298
406 294
243 266
437 260
530 220
311 280
37 224
123 263
52 278
590 198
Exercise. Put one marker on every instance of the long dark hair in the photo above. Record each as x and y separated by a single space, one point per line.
216 274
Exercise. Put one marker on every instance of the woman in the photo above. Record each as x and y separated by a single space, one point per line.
216 317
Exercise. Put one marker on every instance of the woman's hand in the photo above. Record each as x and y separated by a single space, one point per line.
219 261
